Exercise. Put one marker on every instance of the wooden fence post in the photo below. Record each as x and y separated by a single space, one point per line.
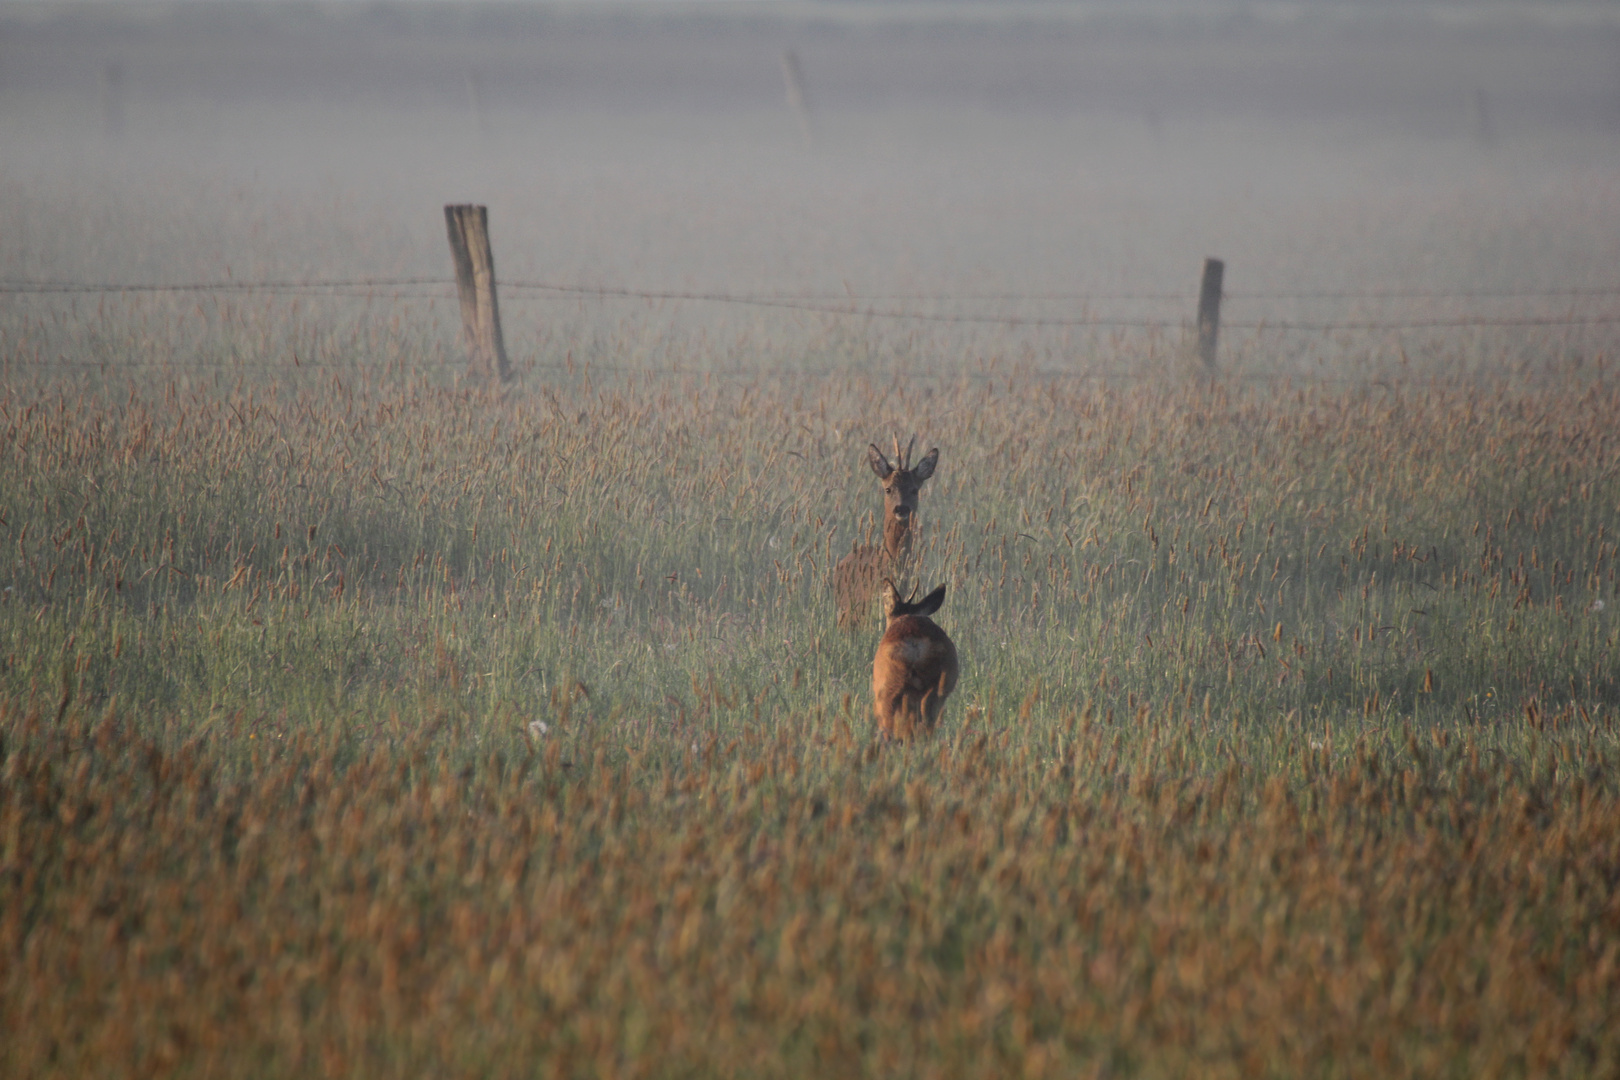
798 100
468 227
1209 311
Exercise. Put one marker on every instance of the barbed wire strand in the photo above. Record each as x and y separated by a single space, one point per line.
851 306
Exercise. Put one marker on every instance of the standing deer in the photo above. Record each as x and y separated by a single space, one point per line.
915 668
856 577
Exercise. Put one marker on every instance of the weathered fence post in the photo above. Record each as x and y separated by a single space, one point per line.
798 99
1209 311
468 227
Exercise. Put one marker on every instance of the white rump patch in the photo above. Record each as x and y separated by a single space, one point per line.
915 650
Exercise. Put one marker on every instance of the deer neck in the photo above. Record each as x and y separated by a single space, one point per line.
897 540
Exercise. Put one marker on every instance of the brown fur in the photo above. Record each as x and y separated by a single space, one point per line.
915 668
855 578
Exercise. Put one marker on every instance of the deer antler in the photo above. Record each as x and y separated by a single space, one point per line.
899 459
909 445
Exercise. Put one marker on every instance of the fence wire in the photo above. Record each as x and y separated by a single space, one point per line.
865 306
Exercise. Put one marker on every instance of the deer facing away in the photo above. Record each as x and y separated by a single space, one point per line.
856 577
915 668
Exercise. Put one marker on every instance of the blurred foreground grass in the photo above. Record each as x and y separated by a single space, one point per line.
366 727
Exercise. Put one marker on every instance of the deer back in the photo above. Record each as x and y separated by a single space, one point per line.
915 668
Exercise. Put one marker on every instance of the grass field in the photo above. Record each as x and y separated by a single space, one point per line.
389 728
357 720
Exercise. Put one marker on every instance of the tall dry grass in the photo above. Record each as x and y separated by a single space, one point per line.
365 726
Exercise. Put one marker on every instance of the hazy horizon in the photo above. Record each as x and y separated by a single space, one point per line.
1024 151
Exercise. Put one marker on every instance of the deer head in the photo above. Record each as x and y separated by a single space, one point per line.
894 607
901 482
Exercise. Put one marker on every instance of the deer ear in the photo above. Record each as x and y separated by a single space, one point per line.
925 468
930 603
879 463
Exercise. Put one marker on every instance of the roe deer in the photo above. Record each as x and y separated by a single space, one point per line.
856 577
915 667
